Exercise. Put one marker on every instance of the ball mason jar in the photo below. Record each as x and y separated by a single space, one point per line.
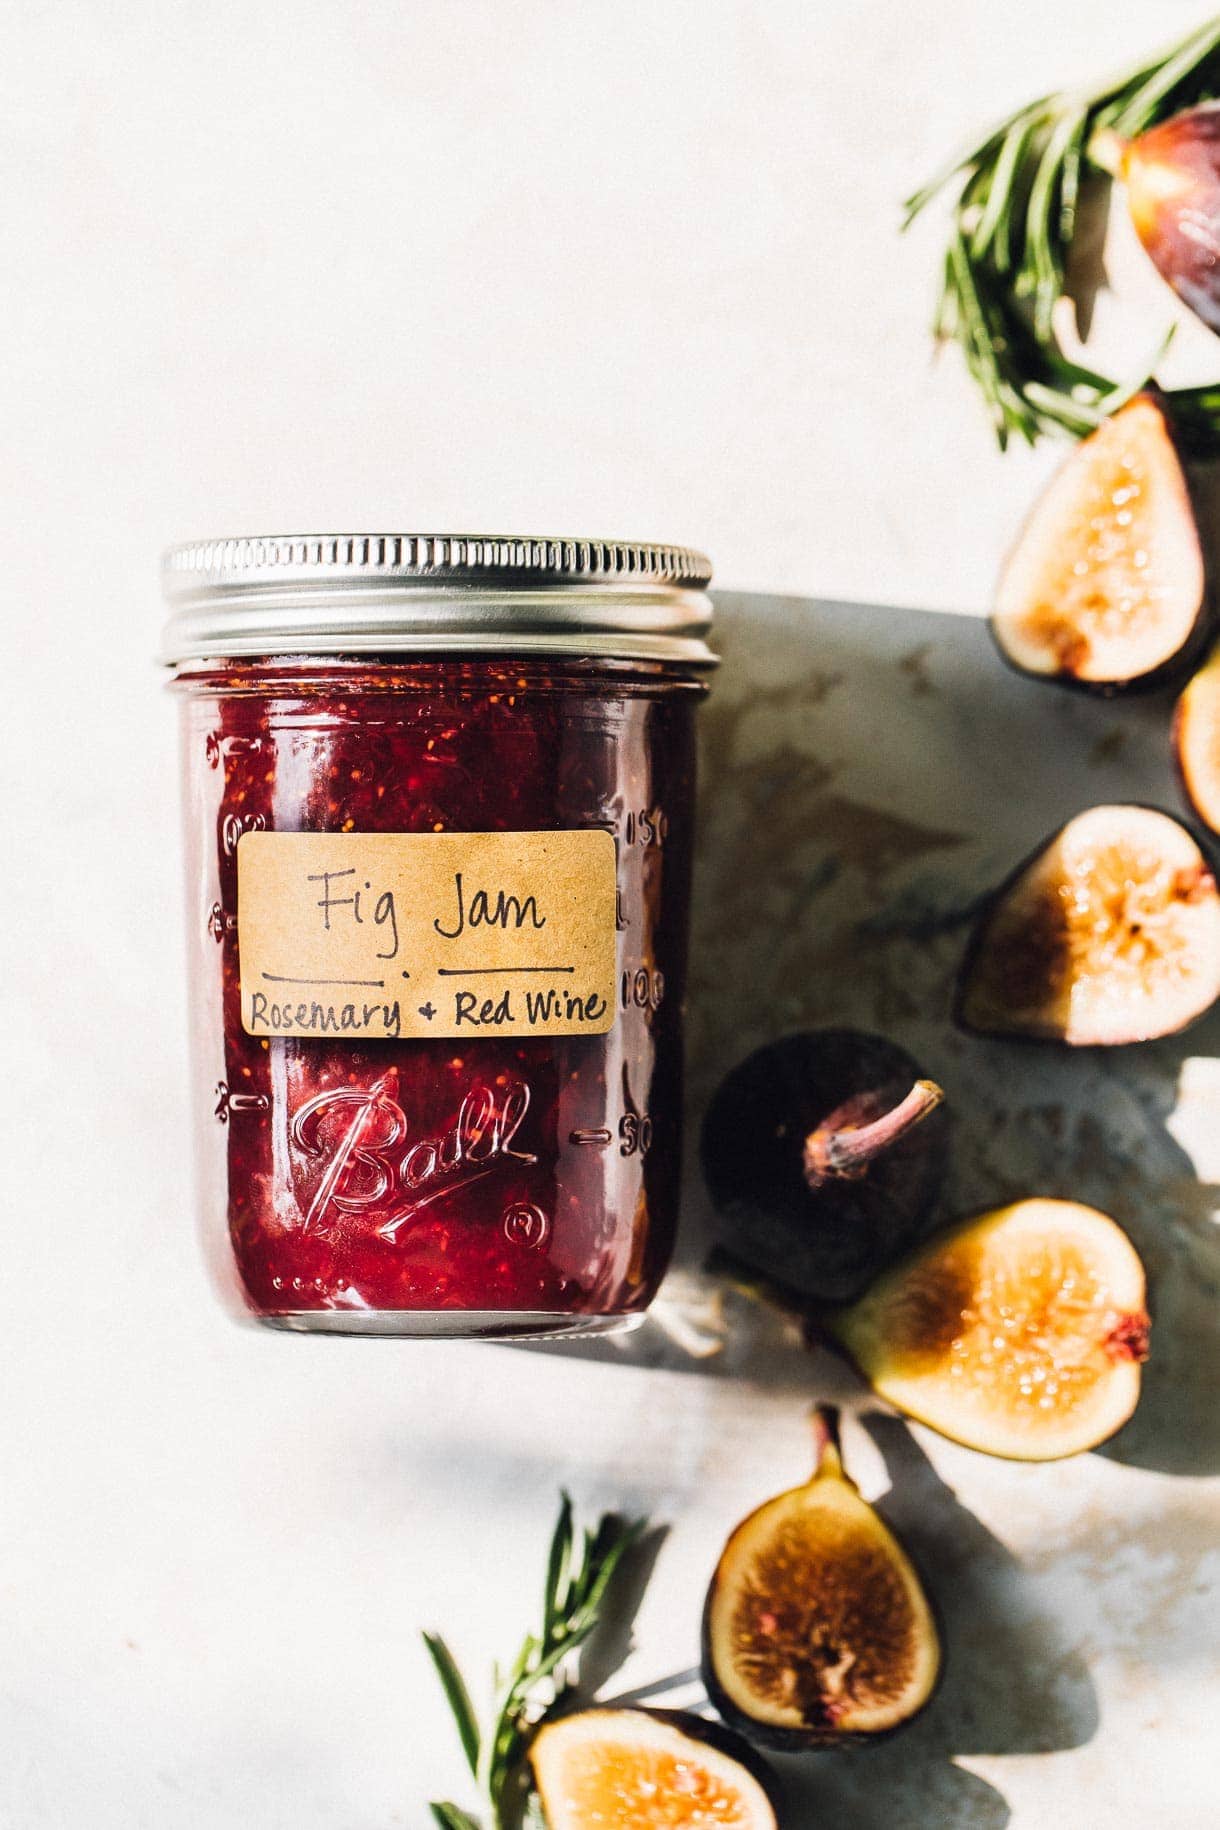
438 803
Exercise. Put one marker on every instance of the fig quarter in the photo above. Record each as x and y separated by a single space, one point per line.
1019 1332
1106 588
817 1631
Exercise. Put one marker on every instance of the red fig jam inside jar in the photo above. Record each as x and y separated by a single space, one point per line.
439 824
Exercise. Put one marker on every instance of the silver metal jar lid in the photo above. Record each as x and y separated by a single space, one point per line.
439 593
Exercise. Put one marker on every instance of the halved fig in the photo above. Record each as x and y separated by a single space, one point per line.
824 1153
1106 587
817 1631
639 1769
1109 934
1196 737
1172 178
1019 1332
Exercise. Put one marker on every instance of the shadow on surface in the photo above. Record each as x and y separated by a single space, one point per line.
1011 1685
611 1641
868 773
876 1789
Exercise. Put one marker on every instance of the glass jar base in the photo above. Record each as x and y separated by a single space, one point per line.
449 1324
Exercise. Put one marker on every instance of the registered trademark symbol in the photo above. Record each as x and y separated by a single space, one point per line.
525 1224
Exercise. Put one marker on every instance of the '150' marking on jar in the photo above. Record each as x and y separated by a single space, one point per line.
367 1165
645 826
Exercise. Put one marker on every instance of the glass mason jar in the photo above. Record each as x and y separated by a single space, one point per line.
439 802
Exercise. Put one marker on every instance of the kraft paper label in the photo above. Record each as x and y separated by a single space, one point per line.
369 935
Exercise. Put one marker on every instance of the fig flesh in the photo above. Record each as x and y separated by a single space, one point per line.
1019 1332
1110 934
638 1769
1106 588
817 1631
823 1154
1172 178
1196 735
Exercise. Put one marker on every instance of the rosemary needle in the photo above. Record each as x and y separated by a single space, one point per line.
538 1684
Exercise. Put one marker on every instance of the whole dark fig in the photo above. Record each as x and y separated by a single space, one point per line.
824 1153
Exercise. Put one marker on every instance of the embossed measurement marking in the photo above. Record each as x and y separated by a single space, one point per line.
634 1127
227 1102
234 825
644 988
219 924
216 747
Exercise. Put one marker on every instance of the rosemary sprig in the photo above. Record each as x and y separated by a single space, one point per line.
538 1684
450 1817
1015 198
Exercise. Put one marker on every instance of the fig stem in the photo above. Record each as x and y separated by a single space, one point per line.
828 1453
848 1150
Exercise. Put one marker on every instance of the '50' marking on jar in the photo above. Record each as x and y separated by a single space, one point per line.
368 1164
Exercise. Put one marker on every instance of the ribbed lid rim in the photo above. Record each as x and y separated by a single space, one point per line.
259 593
528 559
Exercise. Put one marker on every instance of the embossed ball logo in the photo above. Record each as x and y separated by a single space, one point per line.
358 1139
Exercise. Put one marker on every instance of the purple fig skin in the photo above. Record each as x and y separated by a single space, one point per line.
1172 175
1176 667
979 936
824 1236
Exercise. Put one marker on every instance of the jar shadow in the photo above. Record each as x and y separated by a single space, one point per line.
868 773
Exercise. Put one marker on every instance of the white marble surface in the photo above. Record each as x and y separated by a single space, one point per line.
630 269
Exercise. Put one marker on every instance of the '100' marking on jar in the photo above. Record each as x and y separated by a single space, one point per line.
642 989
478 1142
